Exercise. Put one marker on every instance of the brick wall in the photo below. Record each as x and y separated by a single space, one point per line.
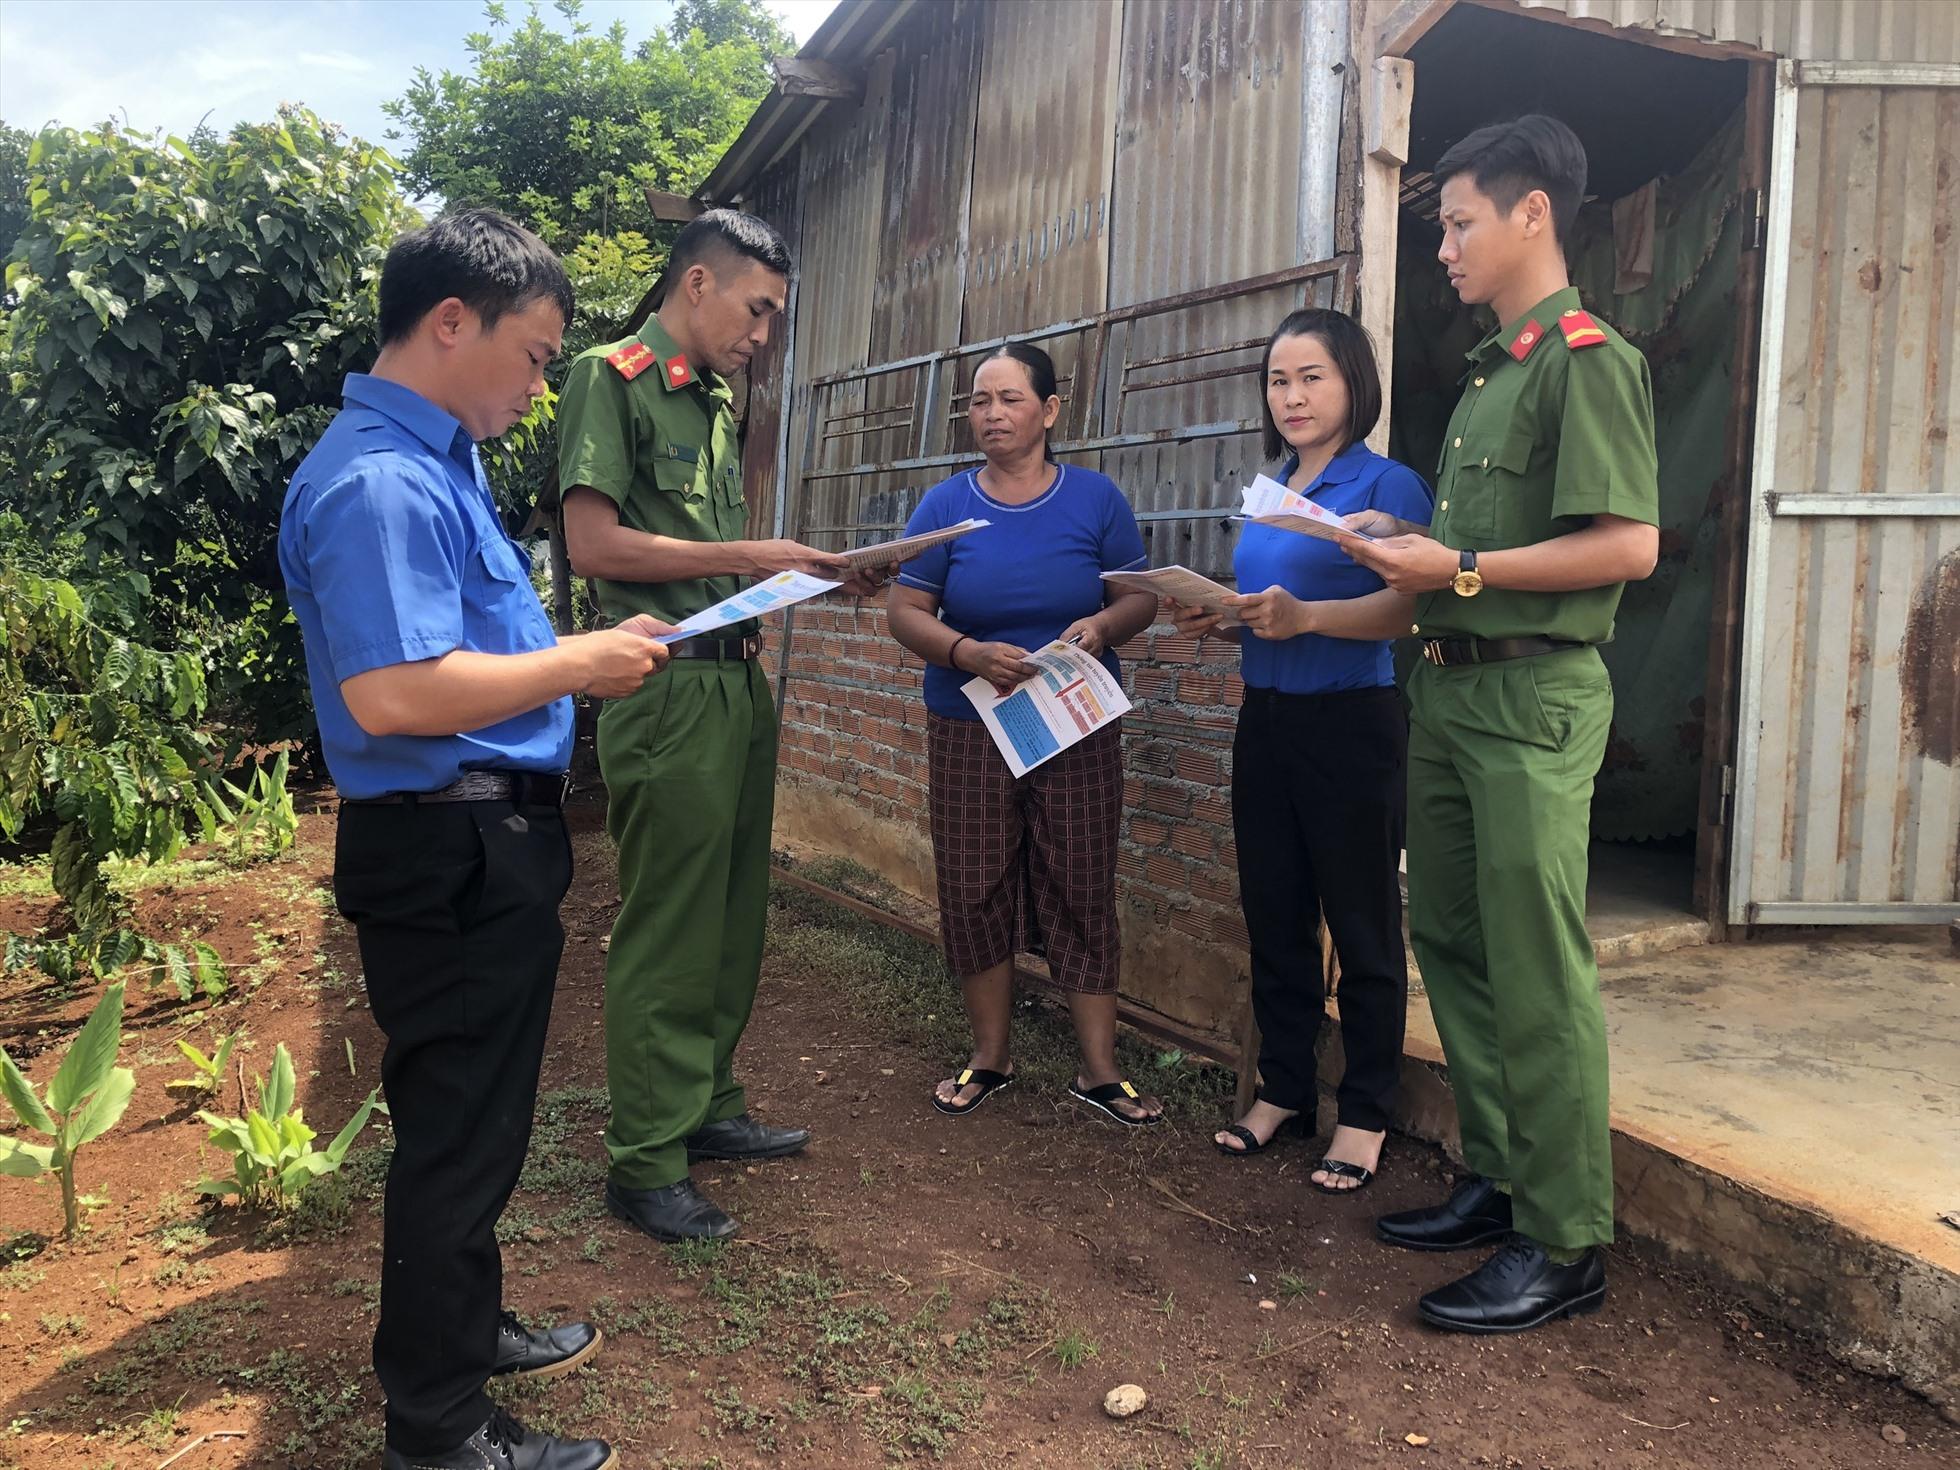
853 729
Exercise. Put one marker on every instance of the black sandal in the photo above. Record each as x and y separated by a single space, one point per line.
988 1082
1294 1123
1101 1097
1341 1169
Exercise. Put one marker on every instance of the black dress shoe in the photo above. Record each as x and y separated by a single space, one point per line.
676 1212
1476 1213
542 1352
1516 1289
741 1139
505 1444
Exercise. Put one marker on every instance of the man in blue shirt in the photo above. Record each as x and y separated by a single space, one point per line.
444 705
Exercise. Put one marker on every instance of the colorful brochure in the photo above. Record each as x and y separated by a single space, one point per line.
1072 697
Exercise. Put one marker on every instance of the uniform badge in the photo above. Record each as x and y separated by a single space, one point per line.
1529 336
679 374
1580 330
631 360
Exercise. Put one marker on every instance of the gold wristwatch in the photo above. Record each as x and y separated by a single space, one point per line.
1468 581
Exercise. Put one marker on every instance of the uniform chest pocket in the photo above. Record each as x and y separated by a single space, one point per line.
681 475
501 612
1487 497
728 485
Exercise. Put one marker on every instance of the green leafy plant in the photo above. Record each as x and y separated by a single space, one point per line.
259 820
210 1070
271 1148
85 1099
101 735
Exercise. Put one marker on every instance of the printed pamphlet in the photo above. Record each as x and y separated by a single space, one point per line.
785 589
1270 503
907 547
1180 584
1071 697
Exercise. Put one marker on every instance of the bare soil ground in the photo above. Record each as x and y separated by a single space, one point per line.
914 1288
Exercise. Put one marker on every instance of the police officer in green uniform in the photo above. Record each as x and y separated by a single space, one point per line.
652 477
1546 505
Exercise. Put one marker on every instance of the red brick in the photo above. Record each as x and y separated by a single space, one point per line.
1194 842
1128 864
1202 766
1229 928
1194 924
1147 832
1168 648
1215 884
1159 796
1148 682
1196 688
1234 690
1165 872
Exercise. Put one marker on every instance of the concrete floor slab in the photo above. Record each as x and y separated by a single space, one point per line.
1787 1112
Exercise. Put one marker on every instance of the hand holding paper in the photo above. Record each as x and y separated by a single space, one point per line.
1069 696
785 589
1269 503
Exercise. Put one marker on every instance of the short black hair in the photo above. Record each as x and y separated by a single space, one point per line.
724 232
486 260
1507 160
1041 374
1353 357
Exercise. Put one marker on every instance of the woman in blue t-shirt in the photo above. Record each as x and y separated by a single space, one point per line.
1030 863
1317 763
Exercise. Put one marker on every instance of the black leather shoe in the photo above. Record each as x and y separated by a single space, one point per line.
544 1352
676 1212
741 1139
1477 1212
505 1444
1516 1289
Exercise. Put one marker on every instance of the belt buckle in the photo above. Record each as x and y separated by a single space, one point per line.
1432 649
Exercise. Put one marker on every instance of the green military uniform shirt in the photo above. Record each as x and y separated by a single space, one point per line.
1548 433
656 437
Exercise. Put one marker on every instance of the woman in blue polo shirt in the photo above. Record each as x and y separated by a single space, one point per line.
1027 863
1318 760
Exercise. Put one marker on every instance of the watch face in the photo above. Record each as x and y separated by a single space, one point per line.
1468 584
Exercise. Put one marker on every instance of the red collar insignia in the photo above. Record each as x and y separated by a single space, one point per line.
679 374
1528 337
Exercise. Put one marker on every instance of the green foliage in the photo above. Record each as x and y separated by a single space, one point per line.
567 128
180 322
14 143
85 1099
102 733
210 1070
271 1148
259 820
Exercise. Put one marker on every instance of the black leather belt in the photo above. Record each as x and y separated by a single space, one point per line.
721 650
1447 651
523 788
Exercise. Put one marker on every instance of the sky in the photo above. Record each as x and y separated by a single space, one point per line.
168 63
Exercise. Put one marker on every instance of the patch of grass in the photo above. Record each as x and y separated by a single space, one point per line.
1291 1285
19 1276
27 880
661 1323
690 1258
183 1237
1074 1348
59 1324
561 1159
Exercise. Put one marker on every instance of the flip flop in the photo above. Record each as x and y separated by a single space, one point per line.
988 1082
1101 1097
1341 1169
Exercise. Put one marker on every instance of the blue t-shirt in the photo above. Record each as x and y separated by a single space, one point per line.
1314 570
393 553
1029 574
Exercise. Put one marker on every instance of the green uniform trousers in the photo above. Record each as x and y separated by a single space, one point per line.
690 768
1502 758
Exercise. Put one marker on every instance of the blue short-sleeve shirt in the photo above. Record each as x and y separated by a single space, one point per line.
1314 570
1027 575
392 553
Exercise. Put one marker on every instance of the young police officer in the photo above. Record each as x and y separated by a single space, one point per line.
652 472
1546 505
442 697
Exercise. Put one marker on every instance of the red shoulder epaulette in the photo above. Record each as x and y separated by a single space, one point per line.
1529 336
1580 330
631 360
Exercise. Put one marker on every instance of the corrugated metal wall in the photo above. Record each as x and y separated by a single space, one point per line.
774 198
1803 30
1850 794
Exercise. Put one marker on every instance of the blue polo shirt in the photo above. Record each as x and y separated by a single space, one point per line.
1025 576
393 553
1319 571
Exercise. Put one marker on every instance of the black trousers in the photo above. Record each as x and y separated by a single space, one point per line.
1318 801
456 908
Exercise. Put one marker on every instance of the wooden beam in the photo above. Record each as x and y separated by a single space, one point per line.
1397 31
673 208
807 76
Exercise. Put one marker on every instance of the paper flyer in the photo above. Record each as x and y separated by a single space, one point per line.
1180 584
1270 503
906 547
1072 697
785 589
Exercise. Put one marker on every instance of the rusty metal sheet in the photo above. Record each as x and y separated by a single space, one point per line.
1804 30
1219 116
1041 166
774 198
1848 792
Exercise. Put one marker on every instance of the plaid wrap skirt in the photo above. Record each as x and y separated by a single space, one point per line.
1027 864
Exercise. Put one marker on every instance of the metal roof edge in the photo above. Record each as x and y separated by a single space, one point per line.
851 34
